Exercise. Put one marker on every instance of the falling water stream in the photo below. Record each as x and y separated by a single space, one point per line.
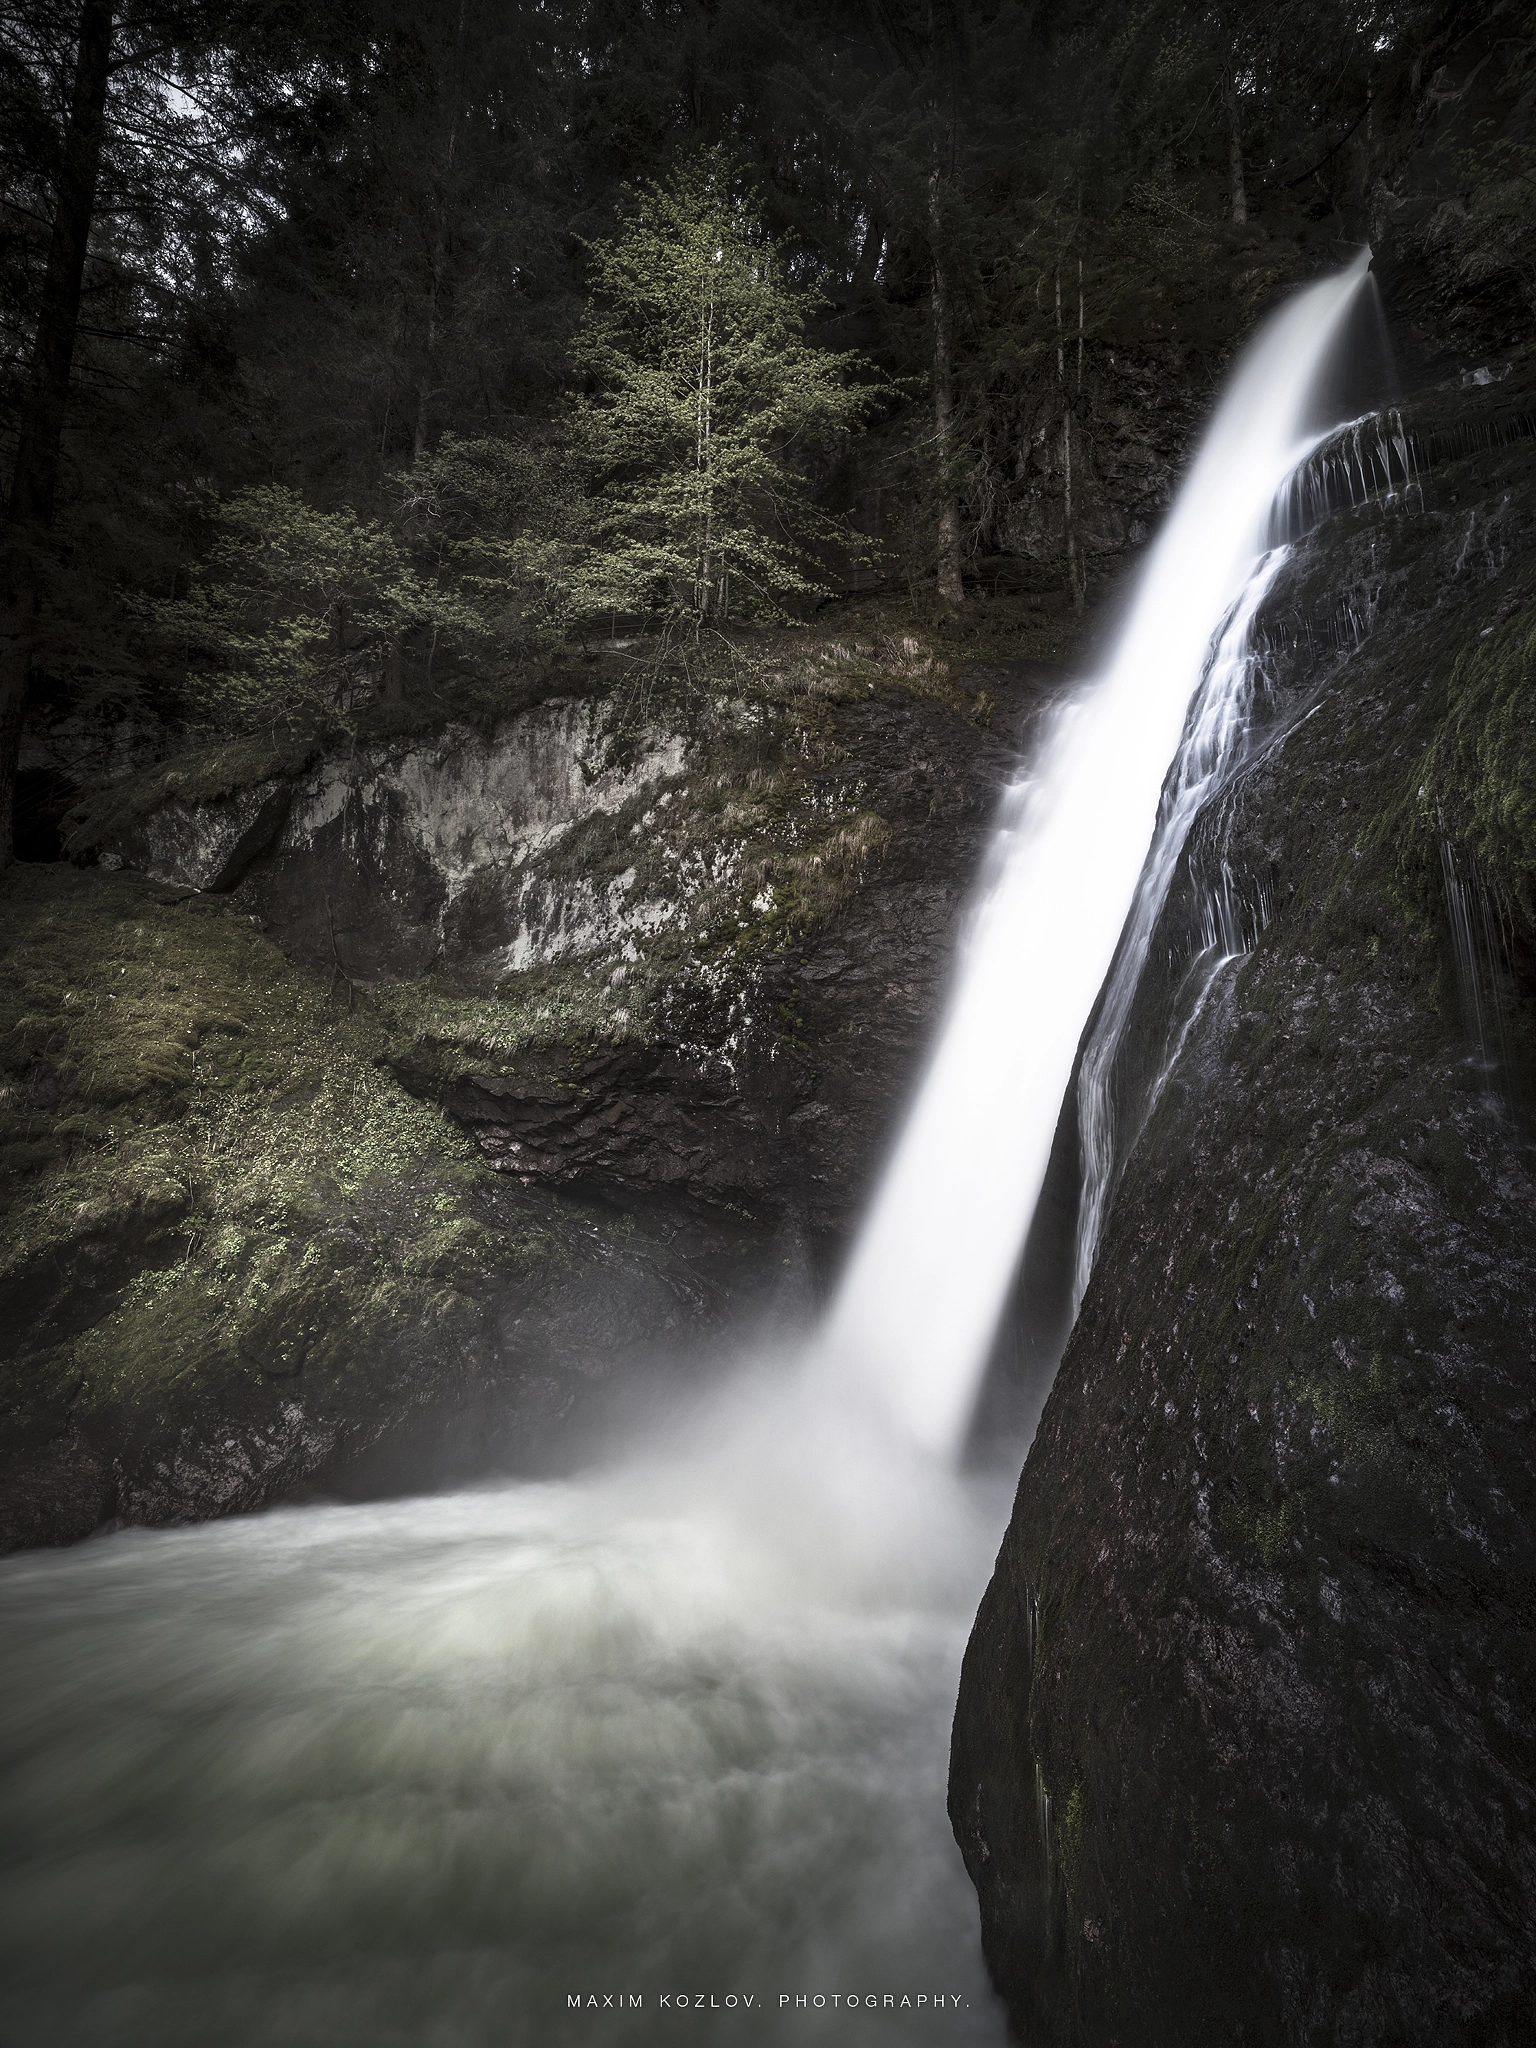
931 1273
675 1729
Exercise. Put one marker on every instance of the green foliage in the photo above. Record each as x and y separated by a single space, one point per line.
1479 774
294 611
496 521
297 615
353 240
707 408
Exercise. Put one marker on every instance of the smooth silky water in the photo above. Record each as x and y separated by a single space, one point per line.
420 1773
933 1268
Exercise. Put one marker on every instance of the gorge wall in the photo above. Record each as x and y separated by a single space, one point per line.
374 1112
1245 1745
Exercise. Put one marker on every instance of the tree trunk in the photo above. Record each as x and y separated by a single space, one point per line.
1077 562
34 481
1080 314
871 249
951 585
1234 150
426 383
426 388
1074 577
704 456
1068 515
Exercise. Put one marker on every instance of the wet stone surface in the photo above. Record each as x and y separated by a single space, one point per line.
1245 1745
486 1085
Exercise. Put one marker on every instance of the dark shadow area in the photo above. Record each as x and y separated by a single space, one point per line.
663 1300
1038 1320
1361 373
43 795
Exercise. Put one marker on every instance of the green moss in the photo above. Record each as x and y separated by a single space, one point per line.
563 1007
796 890
172 1336
1466 687
1273 1532
210 1163
1478 779
1073 1818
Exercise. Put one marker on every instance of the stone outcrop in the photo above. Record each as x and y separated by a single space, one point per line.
397 856
433 1093
1246 1741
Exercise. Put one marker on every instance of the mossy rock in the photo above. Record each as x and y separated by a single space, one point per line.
223 1212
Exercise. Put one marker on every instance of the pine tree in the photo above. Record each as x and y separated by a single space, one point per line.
706 407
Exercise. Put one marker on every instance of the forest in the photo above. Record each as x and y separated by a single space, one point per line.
332 335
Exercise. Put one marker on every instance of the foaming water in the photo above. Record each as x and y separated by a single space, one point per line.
928 1280
418 1773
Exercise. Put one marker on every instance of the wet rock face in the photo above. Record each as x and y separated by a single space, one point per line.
428 856
1246 1740
770 1077
286 1212
205 846
743 934
399 856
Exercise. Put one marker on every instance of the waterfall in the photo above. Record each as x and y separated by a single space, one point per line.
917 1312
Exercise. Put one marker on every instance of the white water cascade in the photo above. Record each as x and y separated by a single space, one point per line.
919 1305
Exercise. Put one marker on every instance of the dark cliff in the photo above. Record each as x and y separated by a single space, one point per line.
1246 1741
